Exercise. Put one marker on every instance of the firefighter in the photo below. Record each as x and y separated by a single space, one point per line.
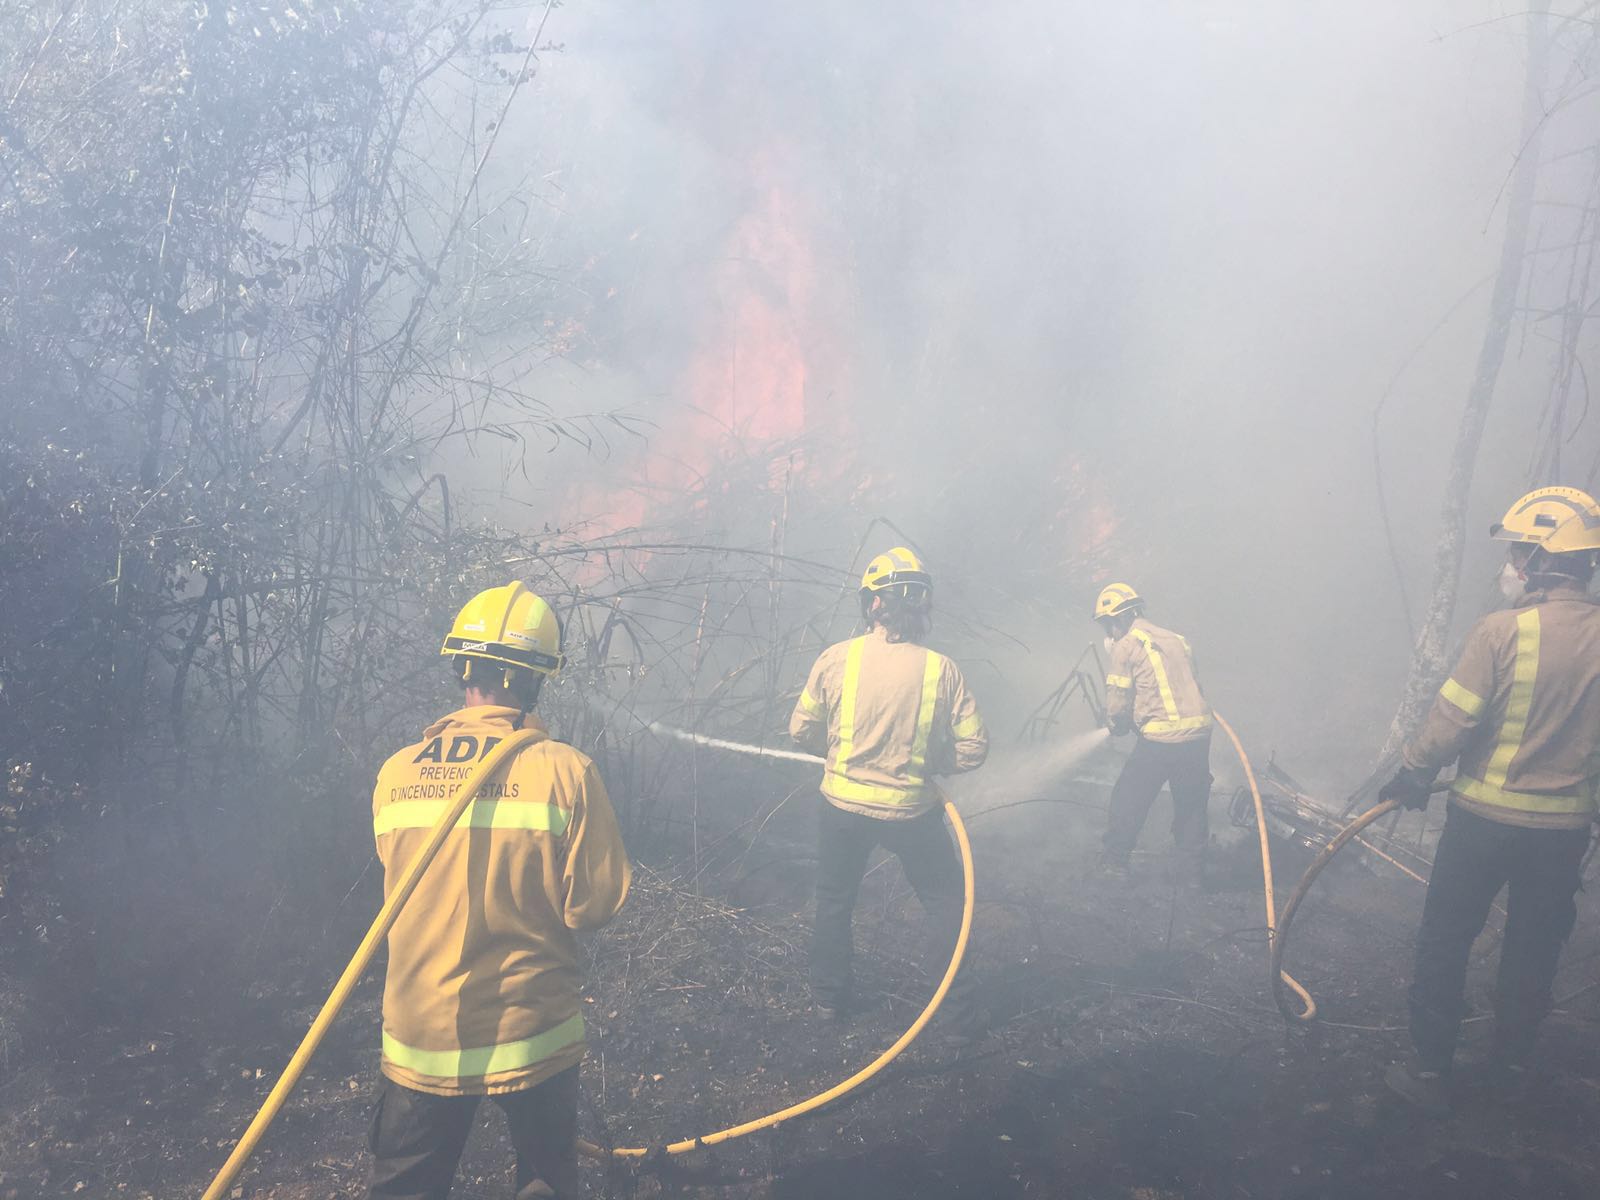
890 714
1152 692
1520 718
481 997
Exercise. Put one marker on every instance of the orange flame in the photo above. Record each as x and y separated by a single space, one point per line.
744 388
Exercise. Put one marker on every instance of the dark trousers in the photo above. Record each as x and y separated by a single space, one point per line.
1475 858
922 844
1183 766
417 1139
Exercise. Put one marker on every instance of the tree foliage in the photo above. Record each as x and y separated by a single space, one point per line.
248 268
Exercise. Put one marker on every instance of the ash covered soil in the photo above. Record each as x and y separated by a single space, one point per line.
1135 1054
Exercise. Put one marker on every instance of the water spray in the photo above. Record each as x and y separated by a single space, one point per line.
1037 768
700 739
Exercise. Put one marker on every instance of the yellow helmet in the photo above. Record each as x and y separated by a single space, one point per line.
507 625
897 566
1116 599
1558 520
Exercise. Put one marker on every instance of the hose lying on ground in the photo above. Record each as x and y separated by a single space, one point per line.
1349 833
1376 812
1280 978
876 1065
381 924
867 1072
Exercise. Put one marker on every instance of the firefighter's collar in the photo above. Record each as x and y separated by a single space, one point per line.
488 714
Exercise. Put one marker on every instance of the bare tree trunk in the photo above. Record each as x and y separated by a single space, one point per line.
1428 656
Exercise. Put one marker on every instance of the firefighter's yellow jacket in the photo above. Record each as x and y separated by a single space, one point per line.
890 716
1520 714
482 995
1151 686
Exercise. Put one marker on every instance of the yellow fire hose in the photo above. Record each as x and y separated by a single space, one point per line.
866 1072
1377 811
1280 978
402 892
404 886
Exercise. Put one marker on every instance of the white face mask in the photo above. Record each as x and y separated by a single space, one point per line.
1512 584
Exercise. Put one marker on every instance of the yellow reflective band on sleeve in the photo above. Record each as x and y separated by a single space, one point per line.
847 712
480 814
931 670
1119 681
1465 699
1178 726
970 727
486 1060
810 703
1159 666
1520 701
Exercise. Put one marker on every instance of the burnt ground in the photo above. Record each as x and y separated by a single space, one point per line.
1136 1053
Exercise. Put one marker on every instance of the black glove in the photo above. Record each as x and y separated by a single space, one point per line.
1411 786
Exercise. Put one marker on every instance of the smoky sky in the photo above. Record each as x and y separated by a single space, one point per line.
1162 259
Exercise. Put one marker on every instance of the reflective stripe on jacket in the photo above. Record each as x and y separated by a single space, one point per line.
1151 685
891 716
483 982
1520 714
